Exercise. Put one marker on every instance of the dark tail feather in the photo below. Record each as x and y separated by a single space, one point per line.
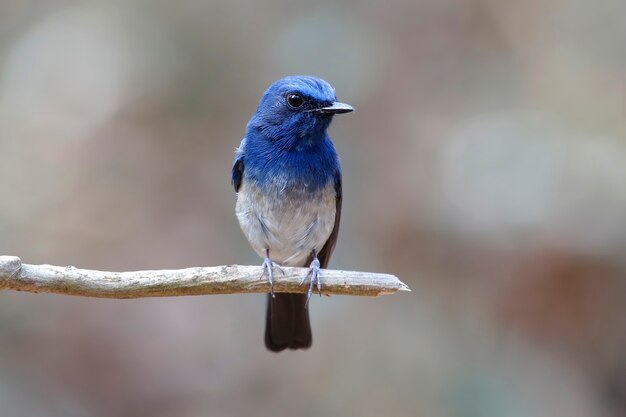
287 324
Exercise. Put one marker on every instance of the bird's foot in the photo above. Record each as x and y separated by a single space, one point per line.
314 273
269 266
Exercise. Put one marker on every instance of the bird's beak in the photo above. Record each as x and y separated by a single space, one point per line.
335 108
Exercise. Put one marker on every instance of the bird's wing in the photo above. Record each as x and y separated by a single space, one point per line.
327 250
237 173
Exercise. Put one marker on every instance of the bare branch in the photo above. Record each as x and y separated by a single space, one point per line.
228 279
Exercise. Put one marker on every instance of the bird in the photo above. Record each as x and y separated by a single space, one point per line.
287 179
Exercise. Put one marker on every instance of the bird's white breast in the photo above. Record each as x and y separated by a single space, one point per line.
289 223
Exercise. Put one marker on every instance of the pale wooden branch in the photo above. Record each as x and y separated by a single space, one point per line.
228 279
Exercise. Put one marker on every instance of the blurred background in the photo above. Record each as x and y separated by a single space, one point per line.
485 166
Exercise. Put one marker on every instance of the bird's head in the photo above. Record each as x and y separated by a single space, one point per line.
296 111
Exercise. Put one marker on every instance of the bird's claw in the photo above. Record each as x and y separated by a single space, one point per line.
269 266
314 273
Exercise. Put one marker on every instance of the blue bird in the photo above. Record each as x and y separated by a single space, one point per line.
288 182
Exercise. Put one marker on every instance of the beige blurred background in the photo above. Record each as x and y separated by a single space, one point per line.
485 166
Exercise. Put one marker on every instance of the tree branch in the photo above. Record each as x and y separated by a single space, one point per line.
228 279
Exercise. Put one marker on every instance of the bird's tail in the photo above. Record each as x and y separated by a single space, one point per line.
287 324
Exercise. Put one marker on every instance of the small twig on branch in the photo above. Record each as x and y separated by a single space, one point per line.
228 279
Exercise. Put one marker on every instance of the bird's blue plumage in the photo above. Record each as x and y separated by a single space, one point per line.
290 145
288 179
270 164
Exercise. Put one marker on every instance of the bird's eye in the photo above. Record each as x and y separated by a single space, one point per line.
295 100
